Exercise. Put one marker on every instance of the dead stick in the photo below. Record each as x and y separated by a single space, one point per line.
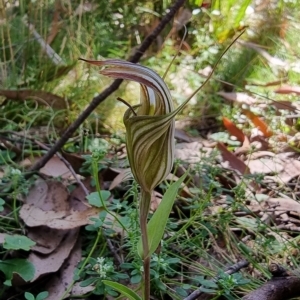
108 91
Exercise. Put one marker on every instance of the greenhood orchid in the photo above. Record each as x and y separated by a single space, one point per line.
149 125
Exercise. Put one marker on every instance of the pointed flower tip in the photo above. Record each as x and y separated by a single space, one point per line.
149 133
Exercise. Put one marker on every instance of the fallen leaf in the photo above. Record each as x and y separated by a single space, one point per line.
290 170
233 129
59 282
52 262
287 105
64 219
260 154
47 239
284 204
265 166
155 201
124 175
183 136
287 89
238 97
245 148
48 196
234 162
184 188
56 168
76 160
260 124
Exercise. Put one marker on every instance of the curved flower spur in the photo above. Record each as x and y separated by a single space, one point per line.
149 126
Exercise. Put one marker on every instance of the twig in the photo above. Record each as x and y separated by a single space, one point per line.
231 270
108 91
113 250
283 286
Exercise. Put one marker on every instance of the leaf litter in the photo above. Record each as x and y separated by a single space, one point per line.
53 216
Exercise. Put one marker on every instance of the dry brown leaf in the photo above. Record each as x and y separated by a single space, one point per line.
284 204
77 198
265 165
56 168
291 170
238 97
245 148
60 281
234 130
47 239
287 105
183 136
76 160
260 154
124 175
287 89
52 262
64 219
155 201
48 196
185 189
258 122
234 162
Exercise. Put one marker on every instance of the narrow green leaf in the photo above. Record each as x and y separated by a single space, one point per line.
124 290
241 12
158 222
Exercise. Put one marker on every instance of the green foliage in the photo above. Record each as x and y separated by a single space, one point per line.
40 296
123 290
2 202
223 285
96 199
20 266
99 269
17 242
157 224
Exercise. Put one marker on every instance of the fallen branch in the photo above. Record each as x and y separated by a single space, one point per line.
108 91
283 286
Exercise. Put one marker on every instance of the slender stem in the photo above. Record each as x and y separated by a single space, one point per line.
144 210
98 188
84 263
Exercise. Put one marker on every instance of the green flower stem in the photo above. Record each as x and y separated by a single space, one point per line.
98 188
144 210
68 290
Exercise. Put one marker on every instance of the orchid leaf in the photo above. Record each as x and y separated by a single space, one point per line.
158 222
124 290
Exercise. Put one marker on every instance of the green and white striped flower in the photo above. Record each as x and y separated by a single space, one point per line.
149 126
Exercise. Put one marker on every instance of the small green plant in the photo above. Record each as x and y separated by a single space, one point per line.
19 266
223 286
40 296
100 269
